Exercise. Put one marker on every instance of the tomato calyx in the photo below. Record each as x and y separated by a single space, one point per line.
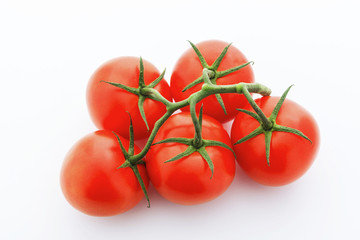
192 148
267 125
143 91
213 73
129 162
196 144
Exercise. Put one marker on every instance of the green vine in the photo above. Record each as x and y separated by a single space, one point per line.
208 78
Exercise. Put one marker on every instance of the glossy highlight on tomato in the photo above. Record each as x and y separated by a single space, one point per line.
290 155
91 181
188 68
109 105
188 180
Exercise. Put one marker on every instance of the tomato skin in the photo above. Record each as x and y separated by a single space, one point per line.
91 181
109 105
290 155
188 68
187 181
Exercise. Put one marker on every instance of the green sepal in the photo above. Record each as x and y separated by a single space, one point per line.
125 164
137 174
131 139
200 56
218 97
122 86
231 70
268 135
157 80
135 169
217 62
126 155
279 128
253 134
207 158
252 114
276 110
141 110
189 150
141 74
218 144
196 82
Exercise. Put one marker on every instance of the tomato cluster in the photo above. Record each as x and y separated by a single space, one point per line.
188 157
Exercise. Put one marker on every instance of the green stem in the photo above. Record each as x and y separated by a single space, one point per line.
258 88
136 158
198 136
267 124
207 90
155 95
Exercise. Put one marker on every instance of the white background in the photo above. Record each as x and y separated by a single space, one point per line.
49 49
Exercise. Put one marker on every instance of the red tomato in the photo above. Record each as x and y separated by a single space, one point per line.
108 105
91 181
188 68
188 180
290 154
